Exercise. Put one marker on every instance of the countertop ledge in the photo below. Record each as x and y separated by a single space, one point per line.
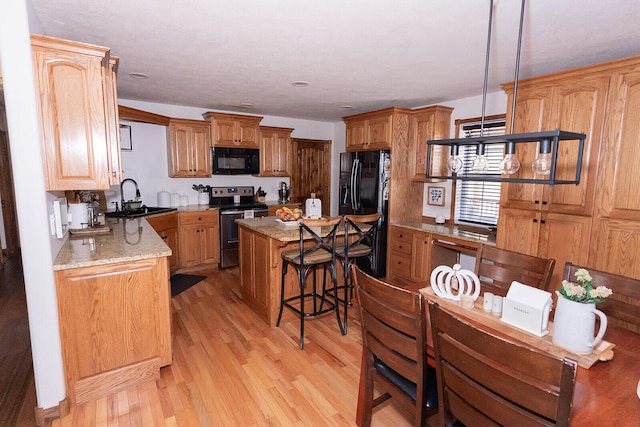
130 240
451 231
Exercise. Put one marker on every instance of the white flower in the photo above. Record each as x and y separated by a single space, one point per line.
583 275
600 292
574 290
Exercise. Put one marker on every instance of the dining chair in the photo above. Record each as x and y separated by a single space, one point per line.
486 379
360 238
320 250
497 268
622 307
394 356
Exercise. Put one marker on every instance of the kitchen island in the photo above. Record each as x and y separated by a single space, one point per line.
261 243
113 308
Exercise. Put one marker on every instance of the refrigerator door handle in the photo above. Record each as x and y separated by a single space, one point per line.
356 191
352 180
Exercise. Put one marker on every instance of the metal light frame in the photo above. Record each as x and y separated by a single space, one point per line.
512 140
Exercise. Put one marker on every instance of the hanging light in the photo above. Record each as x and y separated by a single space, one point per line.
510 163
480 163
454 162
542 164
545 163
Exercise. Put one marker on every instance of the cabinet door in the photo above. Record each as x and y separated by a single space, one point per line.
430 123
616 246
113 124
255 273
210 244
619 171
355 135
170 237
421 257
378 132
518 230
189 245
577 107
180 164
267 148
282 154
73 118
564 238
224 133
201 151
247 133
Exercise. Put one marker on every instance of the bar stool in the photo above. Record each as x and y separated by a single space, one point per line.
322 234
361 232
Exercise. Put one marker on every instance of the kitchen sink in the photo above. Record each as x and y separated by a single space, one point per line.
141 211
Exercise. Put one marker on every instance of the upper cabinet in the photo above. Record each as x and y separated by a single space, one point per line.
430 123
275 151
74 83
113 123
189 148
234 130
570 102
370 131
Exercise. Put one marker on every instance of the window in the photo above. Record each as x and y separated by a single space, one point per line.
478 203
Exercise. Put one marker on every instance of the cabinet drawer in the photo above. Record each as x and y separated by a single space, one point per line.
195 218
400 246
400 264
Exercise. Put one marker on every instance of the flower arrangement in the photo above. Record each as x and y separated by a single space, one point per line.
584 292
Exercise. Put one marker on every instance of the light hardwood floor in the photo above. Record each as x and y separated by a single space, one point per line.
231 369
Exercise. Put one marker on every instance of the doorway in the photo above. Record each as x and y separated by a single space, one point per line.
9 237
311 172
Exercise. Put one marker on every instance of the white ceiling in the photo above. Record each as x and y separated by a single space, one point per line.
367 54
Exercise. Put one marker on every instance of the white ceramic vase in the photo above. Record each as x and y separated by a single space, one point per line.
574 324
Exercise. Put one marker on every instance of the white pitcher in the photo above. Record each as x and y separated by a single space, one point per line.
574 323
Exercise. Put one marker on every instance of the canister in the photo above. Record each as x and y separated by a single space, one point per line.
164 198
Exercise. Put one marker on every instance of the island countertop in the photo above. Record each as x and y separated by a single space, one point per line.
129 240
270 227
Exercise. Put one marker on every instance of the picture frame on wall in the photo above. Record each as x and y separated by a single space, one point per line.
436 195
125 138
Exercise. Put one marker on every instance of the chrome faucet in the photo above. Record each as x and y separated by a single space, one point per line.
122 202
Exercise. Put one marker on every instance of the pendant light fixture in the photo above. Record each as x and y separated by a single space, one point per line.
544 166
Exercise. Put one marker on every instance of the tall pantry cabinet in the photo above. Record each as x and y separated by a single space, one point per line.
75 85
561 221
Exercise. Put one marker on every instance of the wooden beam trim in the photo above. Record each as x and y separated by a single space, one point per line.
135 115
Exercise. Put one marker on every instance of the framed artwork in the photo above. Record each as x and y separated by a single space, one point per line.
125 138
436 195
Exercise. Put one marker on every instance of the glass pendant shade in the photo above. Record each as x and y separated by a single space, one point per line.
454 163
542 164
510 163
480 163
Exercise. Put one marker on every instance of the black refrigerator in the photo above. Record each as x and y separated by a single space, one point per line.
364 189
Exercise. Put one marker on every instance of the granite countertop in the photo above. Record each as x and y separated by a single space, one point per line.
452 231
269 227
129 240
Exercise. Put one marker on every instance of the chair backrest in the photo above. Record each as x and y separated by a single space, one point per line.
323 234
394 328
497 268
354 233
622 307
485 379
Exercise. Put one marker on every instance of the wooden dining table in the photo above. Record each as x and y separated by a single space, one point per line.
606 393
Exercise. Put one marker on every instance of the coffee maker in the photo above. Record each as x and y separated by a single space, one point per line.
283 192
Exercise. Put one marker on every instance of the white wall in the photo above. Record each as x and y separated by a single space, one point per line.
31 201
147 162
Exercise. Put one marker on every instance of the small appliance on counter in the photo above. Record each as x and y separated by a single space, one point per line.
283 192
313 207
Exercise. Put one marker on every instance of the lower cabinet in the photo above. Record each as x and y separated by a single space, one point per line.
255 270
167 227
115 326
199 238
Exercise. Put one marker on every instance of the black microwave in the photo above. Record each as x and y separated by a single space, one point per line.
235 161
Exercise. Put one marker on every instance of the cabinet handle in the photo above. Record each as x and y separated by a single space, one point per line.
536 201
535 220
543 221
544 202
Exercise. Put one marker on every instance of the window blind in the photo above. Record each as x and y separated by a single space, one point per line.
478 203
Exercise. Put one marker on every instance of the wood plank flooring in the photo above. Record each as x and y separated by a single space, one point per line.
231 369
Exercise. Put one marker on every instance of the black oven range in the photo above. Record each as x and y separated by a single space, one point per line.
233 203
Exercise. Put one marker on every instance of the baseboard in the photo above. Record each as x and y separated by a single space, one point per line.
47 414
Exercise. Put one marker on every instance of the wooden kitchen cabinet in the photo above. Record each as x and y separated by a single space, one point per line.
234 130
114 160
570 103
167 228
115 326
255 270
75 85
189 148
430 123
400 252
562 237
275 151
370 131
199 238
